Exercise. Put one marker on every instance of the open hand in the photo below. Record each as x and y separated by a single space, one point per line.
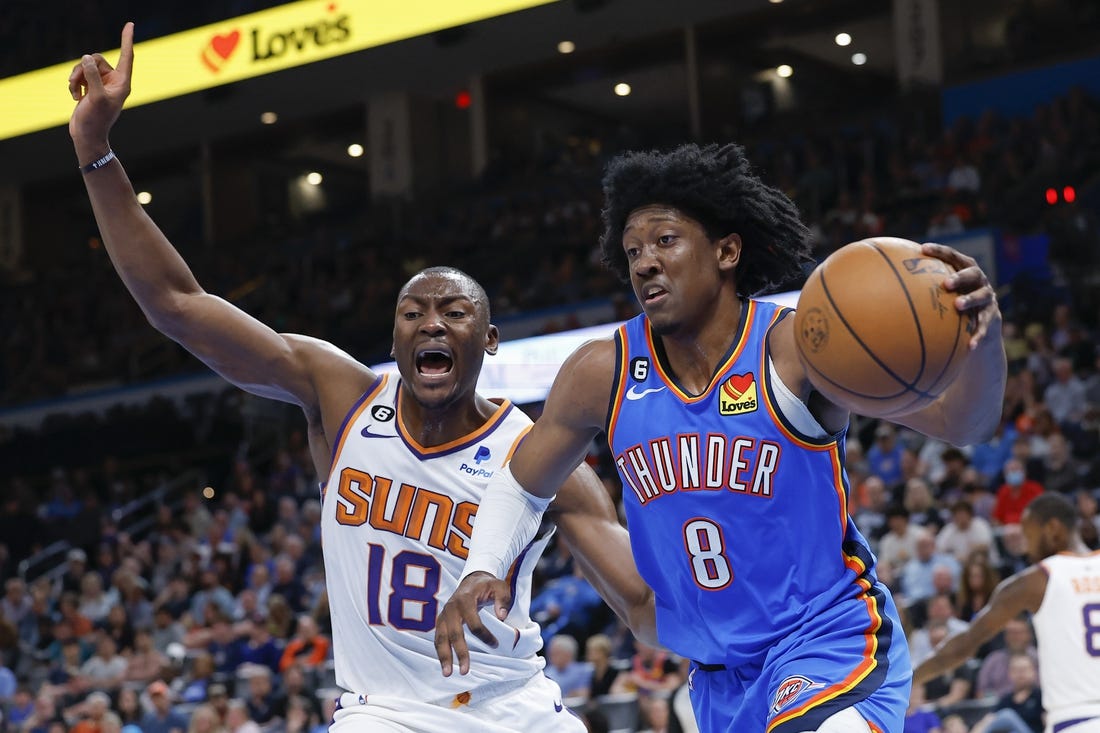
461 612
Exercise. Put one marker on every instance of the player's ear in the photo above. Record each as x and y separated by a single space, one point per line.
728 250
393 351
492 340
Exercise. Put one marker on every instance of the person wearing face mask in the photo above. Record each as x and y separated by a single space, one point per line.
1015 493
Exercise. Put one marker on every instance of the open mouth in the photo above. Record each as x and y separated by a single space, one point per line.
434 363
653 293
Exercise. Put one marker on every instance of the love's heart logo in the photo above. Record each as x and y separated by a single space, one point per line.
221 47
738 384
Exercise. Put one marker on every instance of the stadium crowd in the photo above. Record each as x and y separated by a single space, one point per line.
213 617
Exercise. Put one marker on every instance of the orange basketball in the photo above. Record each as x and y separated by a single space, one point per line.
876 329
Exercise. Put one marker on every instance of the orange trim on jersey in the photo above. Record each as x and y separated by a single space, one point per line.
617 403
351 418
852 680
494 420
874 728
515 444
838 485
742 339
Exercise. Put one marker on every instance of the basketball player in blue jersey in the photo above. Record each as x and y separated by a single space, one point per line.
731 460
1062 592
407 461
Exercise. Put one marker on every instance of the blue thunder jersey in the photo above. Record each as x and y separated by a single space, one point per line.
740 523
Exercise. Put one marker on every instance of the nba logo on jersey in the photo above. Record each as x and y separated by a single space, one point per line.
738 395
790 689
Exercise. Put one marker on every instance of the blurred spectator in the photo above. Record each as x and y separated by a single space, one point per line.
916 582
870 517
166 629
898 545
655 713
1065 396
257 647
106 668
117 626
976 585
941 615
260 692
237 718
198 678
1021 710
1087 506
597 652
129 707
885 455
965 533
308 648
90 713
16 603
651 670
921 506
920 717
1015 493
288 585
951 688
1063 472
994 679
205 719
211 591
295 686
573 677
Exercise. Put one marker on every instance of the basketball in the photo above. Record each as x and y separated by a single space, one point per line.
877 331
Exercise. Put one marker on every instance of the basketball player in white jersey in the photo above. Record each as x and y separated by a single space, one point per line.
406 461
1062 591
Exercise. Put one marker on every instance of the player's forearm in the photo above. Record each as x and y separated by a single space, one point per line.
950 655
148 264
507 520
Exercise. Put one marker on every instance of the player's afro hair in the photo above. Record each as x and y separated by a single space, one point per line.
714 185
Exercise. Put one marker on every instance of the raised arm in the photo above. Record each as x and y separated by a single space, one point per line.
1022 592
244 351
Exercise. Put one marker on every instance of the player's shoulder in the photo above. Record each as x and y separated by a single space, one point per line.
321 355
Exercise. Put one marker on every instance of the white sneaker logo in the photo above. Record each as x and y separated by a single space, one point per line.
633 394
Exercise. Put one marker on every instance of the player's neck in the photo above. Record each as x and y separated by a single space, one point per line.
434 426
695 350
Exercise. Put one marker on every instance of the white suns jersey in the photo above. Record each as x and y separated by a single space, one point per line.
395 530
1067 629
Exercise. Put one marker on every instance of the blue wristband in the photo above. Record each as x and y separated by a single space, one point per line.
97 164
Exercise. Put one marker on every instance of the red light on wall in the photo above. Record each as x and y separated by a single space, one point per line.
463 99
1069 194
1052 196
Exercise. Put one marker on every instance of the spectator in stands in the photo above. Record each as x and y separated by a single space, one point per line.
1015 494
652 670
1021 710
237 718
117 626
258 647
44 715
898 545
162 718
885 455
597 652
198 678
308 648
1063 472
106 668
90 712
166 629
20 708
217 696
976 584
1089 525
211 591
923 511
916 580
965 533
16 604
295 684
288 585
204 719
128 706
1065 396
567 605
1014 558
69 610
261 696
870 517
994 679
952 687
941 613
920 717
655 713
573 677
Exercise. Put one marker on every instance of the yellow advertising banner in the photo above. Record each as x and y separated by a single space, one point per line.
244 47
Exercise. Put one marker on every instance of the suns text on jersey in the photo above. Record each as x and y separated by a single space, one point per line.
417 513
694 462
1086 584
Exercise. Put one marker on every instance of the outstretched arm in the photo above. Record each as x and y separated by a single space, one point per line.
229 341
511 510
1022 592
969 410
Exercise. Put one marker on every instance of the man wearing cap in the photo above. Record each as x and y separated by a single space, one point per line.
162 718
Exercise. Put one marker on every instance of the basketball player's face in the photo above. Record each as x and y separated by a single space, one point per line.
441 334
675 268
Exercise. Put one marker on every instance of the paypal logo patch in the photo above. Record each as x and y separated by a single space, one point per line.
482 454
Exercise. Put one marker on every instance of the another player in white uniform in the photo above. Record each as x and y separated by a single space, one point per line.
406 459
1062 591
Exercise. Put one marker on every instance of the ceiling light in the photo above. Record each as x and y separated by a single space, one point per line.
775 2
314 178
355 150
859 59
842 39
144 198
784 70
269 118
622 89
566 47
